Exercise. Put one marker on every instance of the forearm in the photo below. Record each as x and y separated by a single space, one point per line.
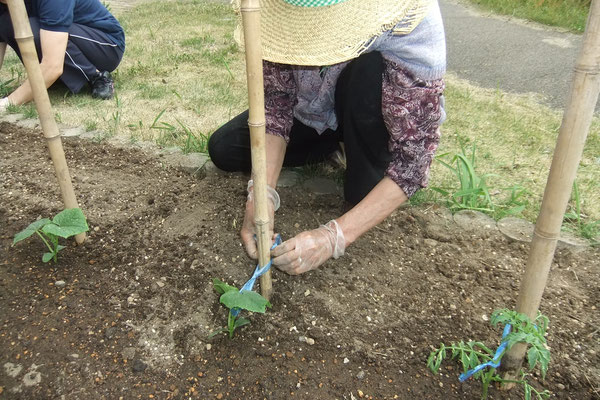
2 53
24 93
275 149
385 197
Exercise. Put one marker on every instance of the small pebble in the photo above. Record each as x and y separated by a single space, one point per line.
306 293
560 386
139 366
208 346
346 360
160 284
310 341
59 284
361 375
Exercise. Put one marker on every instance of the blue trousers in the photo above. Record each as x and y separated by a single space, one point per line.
88 51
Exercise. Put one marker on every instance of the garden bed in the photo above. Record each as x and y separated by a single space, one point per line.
128 313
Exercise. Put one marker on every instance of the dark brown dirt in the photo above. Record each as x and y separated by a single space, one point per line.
133 316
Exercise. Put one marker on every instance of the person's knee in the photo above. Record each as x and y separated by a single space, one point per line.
218 150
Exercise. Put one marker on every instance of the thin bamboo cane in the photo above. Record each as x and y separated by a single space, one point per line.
569 148
24 37
256 121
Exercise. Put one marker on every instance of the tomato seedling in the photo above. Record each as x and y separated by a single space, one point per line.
472 354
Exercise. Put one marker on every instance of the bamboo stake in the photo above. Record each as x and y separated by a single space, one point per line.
256 121
569 148
24 37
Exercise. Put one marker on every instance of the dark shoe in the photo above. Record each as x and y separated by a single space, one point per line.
103 86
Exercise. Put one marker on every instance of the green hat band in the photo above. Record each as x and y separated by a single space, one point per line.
313 3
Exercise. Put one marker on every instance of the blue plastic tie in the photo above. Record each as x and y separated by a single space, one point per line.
495 362
257 273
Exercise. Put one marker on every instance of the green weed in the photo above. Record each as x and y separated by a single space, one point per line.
577 221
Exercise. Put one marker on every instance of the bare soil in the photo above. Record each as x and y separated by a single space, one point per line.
131 318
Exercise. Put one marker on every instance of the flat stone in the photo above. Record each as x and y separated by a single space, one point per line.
288 178
70 132
90 134
516 229
11 118
322 186
30 123
60 284
193 162
569 241
471 220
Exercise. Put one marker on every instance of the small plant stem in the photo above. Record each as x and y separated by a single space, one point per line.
45 242
231 324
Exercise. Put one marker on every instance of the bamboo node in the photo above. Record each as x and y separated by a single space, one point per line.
588 69
544 235
255 124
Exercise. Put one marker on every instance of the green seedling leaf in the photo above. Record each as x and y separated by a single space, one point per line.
67 223
47 257
221 287
241 322
30 230
217 332
246 300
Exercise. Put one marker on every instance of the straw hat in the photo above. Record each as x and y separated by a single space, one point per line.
325 32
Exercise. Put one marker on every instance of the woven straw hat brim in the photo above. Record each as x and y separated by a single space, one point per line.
330 34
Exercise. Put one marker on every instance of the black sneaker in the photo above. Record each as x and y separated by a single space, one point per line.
103 86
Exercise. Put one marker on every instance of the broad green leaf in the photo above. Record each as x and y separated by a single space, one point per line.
30 230
47 257
221 287
246 300
67 223
465 360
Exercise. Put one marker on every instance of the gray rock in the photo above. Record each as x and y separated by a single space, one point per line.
471 221
128 353
30 123
110 332
139 366
70 132
12 118
322 186
361 375
60 284
569 241
288 178
516 229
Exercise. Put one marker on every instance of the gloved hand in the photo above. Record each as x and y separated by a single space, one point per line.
4 103
248 228
310 249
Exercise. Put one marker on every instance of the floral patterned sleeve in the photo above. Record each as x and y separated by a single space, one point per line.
412 110
280 99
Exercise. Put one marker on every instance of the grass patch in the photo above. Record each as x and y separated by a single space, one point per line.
568 14
182 77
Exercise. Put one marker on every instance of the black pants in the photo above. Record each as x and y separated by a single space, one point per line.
88 51
360 127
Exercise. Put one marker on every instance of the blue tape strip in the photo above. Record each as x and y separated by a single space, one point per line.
257 273
494 363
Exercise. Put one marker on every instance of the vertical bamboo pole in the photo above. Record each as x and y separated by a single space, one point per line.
569 148
256 121
24 37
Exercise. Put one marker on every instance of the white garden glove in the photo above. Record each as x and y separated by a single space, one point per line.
248 229
310 249
4 103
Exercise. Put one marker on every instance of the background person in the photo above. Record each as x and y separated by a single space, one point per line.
78 41
364 72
